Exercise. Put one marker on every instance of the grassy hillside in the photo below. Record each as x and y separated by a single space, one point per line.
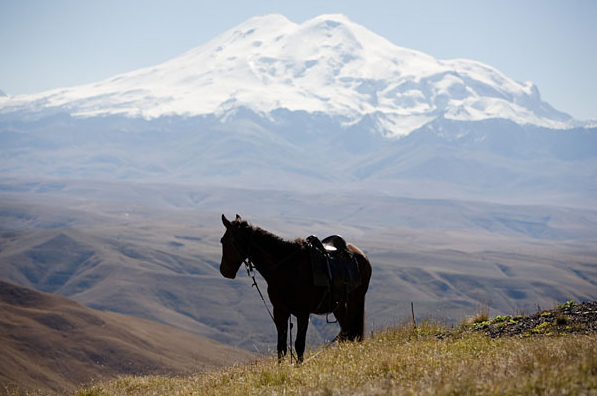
52 344
432 360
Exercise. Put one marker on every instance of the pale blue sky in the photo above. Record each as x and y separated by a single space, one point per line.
50 44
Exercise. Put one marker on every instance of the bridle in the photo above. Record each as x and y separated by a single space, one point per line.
236 246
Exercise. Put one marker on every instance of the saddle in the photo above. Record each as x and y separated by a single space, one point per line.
334 268
335 243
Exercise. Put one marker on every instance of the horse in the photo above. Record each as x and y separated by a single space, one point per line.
287 269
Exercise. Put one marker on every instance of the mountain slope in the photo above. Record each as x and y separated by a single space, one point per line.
136 279
446 256
325 65
53 344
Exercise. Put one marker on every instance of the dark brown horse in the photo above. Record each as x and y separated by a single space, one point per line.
287 269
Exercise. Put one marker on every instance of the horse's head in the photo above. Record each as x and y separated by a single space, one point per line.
235 246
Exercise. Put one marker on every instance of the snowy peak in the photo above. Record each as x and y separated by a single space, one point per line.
328 64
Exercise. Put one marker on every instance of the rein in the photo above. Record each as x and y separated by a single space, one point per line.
251 273
250 266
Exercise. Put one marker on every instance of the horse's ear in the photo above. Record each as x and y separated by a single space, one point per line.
226 222
238 218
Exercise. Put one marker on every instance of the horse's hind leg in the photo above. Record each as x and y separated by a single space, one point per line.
351 318
341 316
281 320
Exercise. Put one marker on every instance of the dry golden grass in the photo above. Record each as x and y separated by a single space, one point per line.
400 361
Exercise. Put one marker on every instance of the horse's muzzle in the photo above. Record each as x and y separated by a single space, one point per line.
227 273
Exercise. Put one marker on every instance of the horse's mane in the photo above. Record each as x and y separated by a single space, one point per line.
272 241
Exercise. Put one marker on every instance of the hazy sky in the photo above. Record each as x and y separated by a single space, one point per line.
48 44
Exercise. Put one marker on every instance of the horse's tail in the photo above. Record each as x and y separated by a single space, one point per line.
357 327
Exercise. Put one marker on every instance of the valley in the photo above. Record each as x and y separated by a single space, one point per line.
138 252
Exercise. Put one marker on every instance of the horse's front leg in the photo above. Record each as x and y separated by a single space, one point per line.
281 320
301 336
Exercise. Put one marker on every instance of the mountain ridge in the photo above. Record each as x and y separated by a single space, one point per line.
489 159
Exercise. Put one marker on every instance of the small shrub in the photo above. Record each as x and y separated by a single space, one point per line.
567 304
542 328
501 319
480 325
562 320
477 321
482 316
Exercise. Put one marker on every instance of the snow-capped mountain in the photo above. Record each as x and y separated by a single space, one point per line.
271 104
326 65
